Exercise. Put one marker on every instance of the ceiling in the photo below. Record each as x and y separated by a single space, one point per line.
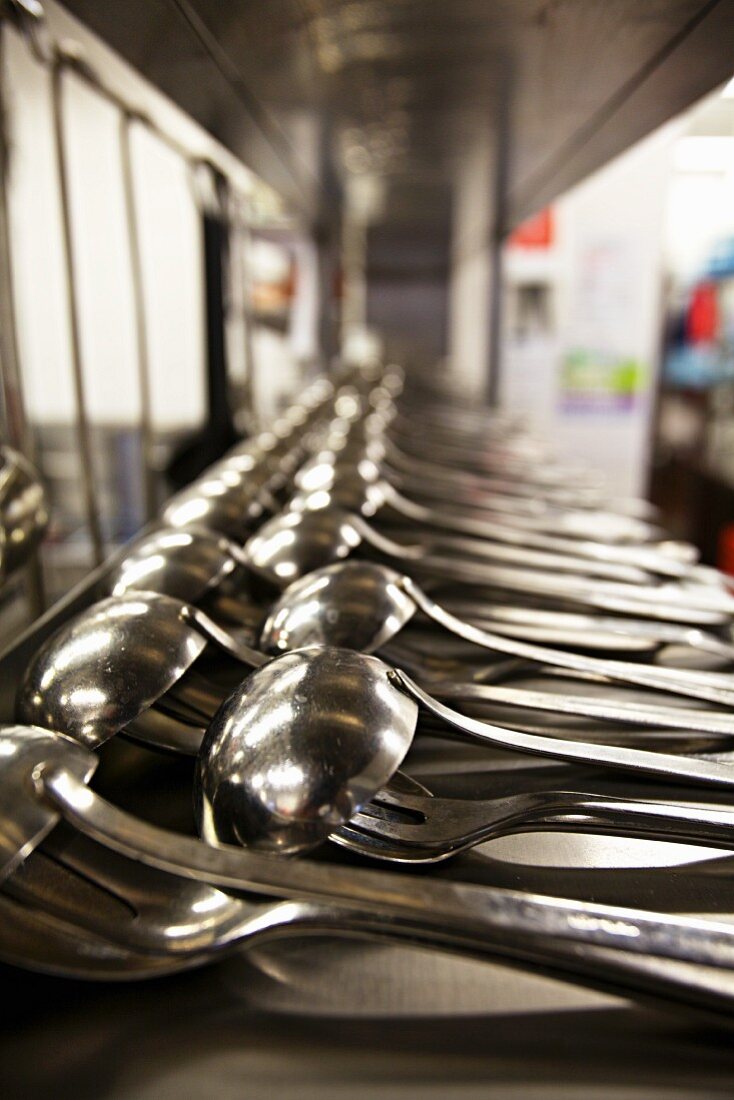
311 92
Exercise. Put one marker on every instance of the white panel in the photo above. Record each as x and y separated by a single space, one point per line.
170 233
469 289
102 256
171 245
606 277
35 227
612 227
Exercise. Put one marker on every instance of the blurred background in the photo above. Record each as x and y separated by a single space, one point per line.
205 204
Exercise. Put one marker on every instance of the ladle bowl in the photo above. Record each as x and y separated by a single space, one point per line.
356 604
313 735
101 670
292 544
185 563
23 508
289 756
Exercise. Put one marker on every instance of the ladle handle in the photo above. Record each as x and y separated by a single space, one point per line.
659 679
583 752
651 561
385 545
230 641
588 706
497 921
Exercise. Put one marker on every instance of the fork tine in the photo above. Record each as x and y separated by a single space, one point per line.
392 827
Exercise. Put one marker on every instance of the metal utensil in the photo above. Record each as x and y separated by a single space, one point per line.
182 562
596 943
415 827
23 508
541 624
110 663
364 604
293 543
273 773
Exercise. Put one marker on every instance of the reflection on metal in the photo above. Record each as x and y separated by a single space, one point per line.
141 329
82 421
23 510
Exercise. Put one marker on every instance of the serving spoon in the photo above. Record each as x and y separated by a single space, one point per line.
293 543
105 667
130 920
359 482
296 748
230 501
23 509
596 943
364 604
357 487
186 563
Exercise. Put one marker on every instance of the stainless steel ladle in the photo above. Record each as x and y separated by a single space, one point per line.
358 483
293 543
364 604
113 661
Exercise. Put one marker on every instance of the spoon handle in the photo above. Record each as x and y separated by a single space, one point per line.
589 706
610 756
496 616
650 560
227 640
659 678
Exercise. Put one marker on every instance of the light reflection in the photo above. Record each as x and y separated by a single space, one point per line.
125 608
281 540
188 512
76 650
317 500
87 696
210 904
136 571
286 569
317 477
174 539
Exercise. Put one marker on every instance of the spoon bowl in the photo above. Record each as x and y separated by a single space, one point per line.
181 562
385 602
292 544
299 747
23 508
226 501
113 661
314 734
356 604
107 665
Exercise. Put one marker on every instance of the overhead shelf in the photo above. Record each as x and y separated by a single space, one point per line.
297 90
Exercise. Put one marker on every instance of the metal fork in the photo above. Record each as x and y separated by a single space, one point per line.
406 824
